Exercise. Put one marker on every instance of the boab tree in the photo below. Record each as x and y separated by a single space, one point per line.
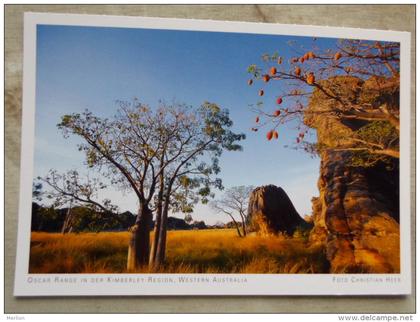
359 80
234 201
191 161
155 153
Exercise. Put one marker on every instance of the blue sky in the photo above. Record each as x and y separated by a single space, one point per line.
87 67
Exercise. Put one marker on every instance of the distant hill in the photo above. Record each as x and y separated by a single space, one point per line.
177 224
86 220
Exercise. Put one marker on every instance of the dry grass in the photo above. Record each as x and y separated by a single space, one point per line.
203 251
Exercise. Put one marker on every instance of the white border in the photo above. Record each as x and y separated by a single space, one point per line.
256 284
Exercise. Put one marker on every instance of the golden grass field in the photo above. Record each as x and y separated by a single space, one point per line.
192 251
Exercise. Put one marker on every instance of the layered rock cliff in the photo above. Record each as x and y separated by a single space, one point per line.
357 212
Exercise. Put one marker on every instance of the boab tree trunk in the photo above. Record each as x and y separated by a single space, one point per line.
164 199
161 244
155 241
153 263
138 247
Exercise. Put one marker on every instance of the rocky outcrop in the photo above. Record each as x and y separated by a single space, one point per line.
357 212
270 211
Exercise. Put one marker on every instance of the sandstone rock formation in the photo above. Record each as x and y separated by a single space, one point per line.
271 211
357 212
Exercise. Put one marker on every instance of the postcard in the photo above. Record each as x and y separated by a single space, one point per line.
194 157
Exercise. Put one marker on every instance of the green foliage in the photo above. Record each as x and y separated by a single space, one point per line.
270 57
380 133
91 158
188 218
254 70
36 190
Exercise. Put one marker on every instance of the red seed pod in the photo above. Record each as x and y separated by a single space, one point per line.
269 135
273 71
310 78
279 100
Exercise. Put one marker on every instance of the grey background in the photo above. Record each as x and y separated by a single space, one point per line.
388 17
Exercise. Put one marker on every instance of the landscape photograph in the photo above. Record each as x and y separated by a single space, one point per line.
180 151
